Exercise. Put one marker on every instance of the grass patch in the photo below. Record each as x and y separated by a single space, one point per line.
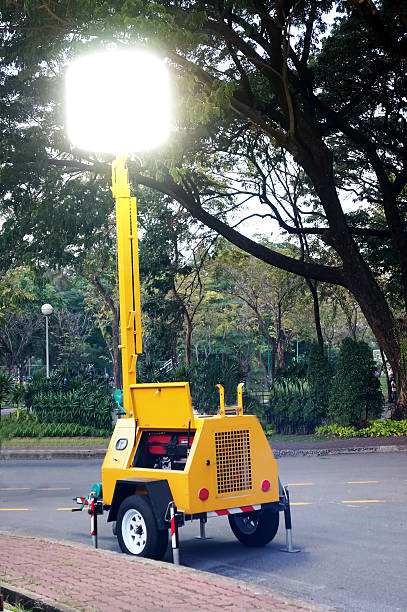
16 442
298 438
14 607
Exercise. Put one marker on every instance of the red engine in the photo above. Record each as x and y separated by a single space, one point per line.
165 450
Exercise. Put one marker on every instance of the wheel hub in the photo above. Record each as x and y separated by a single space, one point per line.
134 531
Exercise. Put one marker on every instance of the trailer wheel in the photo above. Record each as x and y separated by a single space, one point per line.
137 530
256 528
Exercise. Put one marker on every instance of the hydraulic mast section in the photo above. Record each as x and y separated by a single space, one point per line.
129 280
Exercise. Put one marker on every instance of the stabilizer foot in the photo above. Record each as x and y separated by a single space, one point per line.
289 548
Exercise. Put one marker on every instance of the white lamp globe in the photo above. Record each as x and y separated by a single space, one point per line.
117 102
46 309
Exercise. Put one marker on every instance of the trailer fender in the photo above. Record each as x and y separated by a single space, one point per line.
158 492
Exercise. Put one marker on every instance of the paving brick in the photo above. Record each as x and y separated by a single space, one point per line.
96 580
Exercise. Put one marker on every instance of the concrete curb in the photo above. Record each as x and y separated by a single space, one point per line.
51 453
31 601
98 453
391 448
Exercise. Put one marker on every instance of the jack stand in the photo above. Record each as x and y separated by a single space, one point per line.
174 534
93 522
202 531
95 508
288 531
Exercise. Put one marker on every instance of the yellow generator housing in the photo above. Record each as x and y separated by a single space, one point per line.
210 462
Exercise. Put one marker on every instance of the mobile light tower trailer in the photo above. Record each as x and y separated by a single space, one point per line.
165 465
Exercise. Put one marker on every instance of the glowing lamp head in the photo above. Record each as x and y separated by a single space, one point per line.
265 485
117 102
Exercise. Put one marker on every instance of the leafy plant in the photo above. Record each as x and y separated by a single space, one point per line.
292 406
374 429
340 431
71 399
29 428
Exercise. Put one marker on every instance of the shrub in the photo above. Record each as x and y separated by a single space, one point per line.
340 431
78 399
355 392
294 408
374 429
30 428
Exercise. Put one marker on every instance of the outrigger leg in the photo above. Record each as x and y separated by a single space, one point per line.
288 529
202 528
174 533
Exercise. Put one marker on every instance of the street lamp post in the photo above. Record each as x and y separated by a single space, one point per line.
46 310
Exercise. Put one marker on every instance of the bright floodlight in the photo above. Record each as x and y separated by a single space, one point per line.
117 102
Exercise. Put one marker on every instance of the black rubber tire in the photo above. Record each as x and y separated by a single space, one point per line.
256 528
137 530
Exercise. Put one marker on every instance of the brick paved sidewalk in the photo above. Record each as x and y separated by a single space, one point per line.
70 576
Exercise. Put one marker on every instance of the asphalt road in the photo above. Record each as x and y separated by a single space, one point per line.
349 519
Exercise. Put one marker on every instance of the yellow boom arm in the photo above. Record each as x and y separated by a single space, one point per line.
129 283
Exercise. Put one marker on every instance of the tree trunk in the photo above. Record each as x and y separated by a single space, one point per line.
263 369
273 361
386 373
390 334
188 335
317 318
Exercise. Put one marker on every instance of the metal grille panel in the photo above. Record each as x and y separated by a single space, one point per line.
233 461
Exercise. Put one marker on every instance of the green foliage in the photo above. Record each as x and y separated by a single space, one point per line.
386 427
24 429
71 399
375 429
6 385
341 431
355 392
292 406
203 378
319 380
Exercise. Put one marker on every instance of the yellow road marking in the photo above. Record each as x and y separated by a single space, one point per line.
13 509
300 503
65 508
299 484
361 481
55 489
14 489
362 501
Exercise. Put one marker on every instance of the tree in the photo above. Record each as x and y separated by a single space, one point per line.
172 256
21 297
270 294
267 81
355 392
